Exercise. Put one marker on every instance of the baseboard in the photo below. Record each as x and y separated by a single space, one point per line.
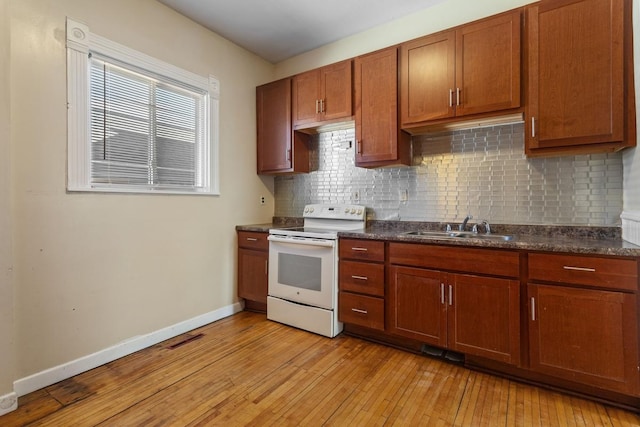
8 403
631 227
67 370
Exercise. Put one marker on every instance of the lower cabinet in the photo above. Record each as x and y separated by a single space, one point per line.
567 320
466 313
253 269
584 335
584 327
361 283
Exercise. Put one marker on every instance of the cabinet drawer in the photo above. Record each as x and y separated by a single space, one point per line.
362 277
368 250
253 240
612 273
478 261
361 310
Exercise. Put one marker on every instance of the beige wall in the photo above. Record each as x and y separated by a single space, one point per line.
93 270
446 14
7 353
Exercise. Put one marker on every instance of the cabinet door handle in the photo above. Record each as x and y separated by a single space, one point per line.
533 309
450 295
360 249
457 96
442 293
360 277
533 127
322 105
359 147
252 239
288 154
450 98
266 267
590 270
317 106
357 310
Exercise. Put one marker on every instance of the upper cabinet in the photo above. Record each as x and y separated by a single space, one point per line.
379 140
580 87
323 95
473 69
280 150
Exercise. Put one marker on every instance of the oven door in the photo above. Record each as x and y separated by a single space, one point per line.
303 270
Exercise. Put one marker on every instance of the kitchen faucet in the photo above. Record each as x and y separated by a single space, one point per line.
462 226
487 227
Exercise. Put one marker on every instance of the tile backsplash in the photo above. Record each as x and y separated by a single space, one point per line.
481 171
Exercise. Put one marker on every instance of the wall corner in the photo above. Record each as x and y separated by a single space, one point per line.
631 226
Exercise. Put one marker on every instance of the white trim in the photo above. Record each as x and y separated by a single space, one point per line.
80 41
58 373
8 403
631 227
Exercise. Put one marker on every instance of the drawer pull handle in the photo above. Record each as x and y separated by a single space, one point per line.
360 277
360 249
590 270
442 293
357 310
252 239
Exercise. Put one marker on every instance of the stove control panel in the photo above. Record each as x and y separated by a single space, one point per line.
350 212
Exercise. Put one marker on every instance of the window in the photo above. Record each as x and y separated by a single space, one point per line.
137 124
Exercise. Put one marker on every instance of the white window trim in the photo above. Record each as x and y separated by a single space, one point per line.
79 43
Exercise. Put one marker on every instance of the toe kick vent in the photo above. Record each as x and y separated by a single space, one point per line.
439 353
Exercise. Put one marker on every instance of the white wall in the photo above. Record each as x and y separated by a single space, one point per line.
631 157
7 353
94 270
444 15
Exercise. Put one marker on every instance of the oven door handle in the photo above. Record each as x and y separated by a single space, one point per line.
302 241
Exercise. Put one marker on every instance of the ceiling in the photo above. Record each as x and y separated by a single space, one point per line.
279 29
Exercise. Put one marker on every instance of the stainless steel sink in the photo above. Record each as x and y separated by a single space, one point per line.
459 235
434 234
505 237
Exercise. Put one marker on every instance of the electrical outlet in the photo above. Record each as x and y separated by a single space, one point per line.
262 201
404 195
356 195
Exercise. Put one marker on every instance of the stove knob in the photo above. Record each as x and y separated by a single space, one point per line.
310 210
346 210
353 211
359 211
306 210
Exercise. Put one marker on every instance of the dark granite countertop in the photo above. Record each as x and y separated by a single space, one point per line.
567 239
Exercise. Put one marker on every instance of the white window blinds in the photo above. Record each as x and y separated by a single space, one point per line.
144 131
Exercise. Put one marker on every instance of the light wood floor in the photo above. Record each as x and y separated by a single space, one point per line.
245 370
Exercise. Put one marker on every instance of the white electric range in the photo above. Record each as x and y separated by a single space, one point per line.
303 268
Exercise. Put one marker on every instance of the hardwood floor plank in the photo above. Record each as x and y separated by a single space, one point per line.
245 370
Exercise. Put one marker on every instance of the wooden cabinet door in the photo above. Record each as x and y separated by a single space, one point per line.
336 94
427 78
488 65
306 97
376 95
416 305
484 317
274 134
253 273
323 94
584 335
576 73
